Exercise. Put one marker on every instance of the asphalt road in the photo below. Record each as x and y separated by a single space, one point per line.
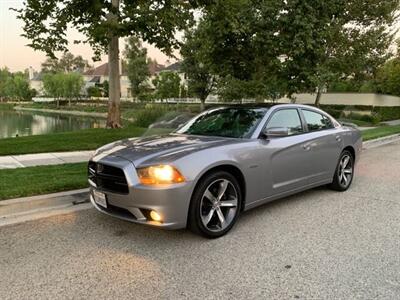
317 245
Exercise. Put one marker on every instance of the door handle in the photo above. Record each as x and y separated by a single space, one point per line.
307 147
338 138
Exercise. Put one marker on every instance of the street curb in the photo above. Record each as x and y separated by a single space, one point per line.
25 209
42 197
381 141
27 216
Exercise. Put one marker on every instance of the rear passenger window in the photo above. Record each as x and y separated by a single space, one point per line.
288 118
316 121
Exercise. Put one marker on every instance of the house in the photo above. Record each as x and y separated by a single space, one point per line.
176 68
97 77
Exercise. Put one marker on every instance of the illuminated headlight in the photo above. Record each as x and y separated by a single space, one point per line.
162 174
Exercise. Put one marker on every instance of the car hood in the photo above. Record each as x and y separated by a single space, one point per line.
157 149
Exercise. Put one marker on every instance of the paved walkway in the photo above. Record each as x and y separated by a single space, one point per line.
392 123
30 160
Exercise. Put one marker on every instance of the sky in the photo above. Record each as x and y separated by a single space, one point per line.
15 55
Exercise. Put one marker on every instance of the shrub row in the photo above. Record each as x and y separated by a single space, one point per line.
387 113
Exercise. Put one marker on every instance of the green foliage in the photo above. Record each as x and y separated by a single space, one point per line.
369 118
387 113
167 85
136 65
284 47
15 86
106 88
388 77
147 116
46 22
93 91
200 80
67 63
60 85
336 113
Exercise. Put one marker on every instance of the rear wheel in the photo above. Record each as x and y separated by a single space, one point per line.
215 205
344 172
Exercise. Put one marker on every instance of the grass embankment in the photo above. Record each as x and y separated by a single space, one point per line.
382 131
31 181
88 139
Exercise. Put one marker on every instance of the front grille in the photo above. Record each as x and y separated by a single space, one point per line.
108 178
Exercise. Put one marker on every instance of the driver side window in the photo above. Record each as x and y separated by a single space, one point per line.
288 118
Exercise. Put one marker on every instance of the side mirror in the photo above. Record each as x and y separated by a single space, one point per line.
276 132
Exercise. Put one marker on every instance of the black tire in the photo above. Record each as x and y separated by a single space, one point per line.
338 183
199 202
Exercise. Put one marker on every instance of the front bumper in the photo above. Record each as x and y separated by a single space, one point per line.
170 201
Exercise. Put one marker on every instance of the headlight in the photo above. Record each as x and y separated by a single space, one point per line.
162 174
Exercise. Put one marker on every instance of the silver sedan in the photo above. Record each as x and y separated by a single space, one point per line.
224 161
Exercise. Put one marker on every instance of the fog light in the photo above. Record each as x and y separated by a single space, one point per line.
155 216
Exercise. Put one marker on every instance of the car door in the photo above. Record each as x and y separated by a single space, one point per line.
324 142
288 159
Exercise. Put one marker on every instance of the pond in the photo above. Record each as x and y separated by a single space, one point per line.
22 123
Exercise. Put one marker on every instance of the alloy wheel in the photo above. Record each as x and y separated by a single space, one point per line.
345 170
219 205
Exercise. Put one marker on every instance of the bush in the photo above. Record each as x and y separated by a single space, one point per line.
334 112
147 116
387 113
374 118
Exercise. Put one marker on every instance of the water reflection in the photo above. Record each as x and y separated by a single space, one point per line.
13 123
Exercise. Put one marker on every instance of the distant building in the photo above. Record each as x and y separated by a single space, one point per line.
98 75
176 68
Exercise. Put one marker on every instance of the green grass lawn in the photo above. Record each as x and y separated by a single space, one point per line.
358 122
382 131
31 181
88 139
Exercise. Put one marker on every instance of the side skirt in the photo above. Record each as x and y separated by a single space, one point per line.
285 194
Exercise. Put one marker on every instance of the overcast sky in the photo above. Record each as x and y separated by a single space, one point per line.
17 57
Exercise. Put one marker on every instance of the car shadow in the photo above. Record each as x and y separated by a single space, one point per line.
152 242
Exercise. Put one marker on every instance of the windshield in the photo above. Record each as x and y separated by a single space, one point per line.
227 122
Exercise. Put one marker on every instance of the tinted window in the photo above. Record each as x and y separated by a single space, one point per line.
286 118
227 122
316 121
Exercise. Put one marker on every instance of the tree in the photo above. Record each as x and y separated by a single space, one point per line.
136 65
15 86
93 91
200 79
53 85
103 23
67 63
167 85
21 88
5 76
388 77
329 40
61 85
267 49
72 86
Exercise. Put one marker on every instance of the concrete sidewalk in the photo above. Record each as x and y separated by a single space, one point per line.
42 159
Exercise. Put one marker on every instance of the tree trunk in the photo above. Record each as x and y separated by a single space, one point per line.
318 97
114 94
202 104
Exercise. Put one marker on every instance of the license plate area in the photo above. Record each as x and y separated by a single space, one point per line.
100 198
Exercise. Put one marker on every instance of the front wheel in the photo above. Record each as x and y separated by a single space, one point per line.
344 172
215 205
